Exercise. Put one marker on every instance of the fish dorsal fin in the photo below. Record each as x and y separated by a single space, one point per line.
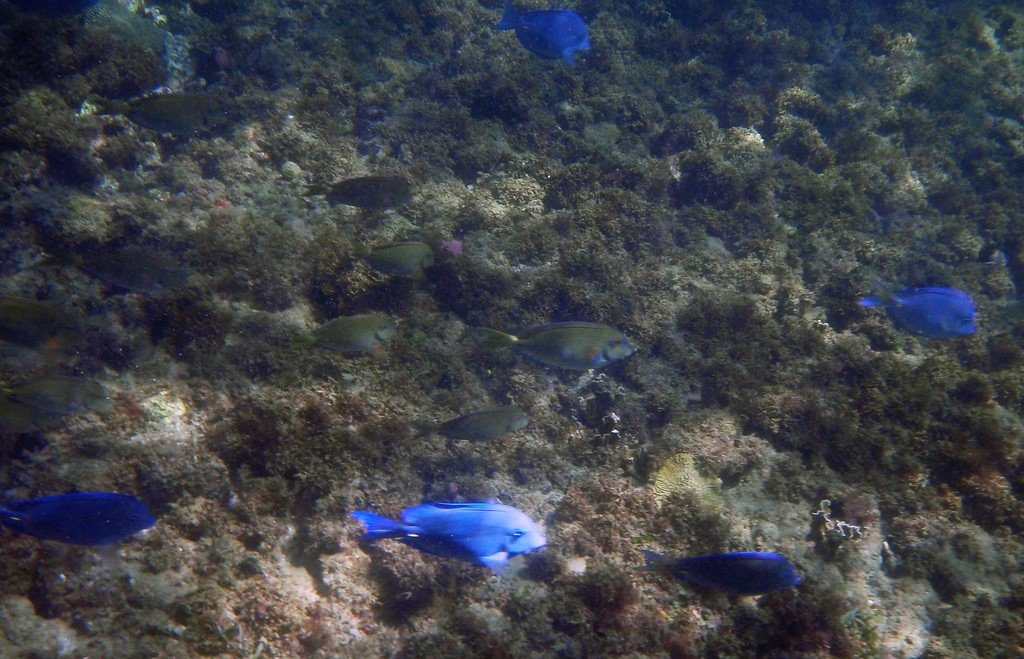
457 505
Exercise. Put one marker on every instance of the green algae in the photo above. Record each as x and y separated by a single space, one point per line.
721 182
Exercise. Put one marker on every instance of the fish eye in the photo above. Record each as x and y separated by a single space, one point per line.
518 533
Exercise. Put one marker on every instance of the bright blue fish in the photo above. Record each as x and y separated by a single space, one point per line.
81 518
480 532
738 573
935 312
550 33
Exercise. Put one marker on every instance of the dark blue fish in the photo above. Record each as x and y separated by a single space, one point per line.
550 33
54 7
738 573
480 532
81 518
935 312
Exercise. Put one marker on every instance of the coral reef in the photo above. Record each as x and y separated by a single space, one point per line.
720 181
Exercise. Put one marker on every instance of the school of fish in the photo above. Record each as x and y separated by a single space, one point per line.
486 533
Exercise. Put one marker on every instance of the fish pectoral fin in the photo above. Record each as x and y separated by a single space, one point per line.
486 338
593 356
497 562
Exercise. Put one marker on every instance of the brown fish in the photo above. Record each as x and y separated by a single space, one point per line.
362 333
367 192
182 114
482 425
405 259
31 323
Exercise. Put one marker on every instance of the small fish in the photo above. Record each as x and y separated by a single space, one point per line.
354 334
54 7
480 532
550 33
405 259
134 268
30 323
738 573
481 425
367 192
40 403
575 345
116 20
81 518
17 418
60 395
181 114
935 312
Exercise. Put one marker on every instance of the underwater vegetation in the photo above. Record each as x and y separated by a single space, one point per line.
617 254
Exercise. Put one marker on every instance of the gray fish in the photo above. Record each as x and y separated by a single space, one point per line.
368 192
182 114
16 418
31 323
135 268
737 573
41 403
404 259
481 425
574 345
352 334
60 395
112 20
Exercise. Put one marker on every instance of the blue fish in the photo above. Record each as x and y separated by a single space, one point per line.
738 573
550 33
479 532
935 312
81 518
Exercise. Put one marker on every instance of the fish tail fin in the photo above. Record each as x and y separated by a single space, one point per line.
489 339
378 526
882 295
361 250
317 189
423 428
510 17
657 562
107 106
302 341
873 301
